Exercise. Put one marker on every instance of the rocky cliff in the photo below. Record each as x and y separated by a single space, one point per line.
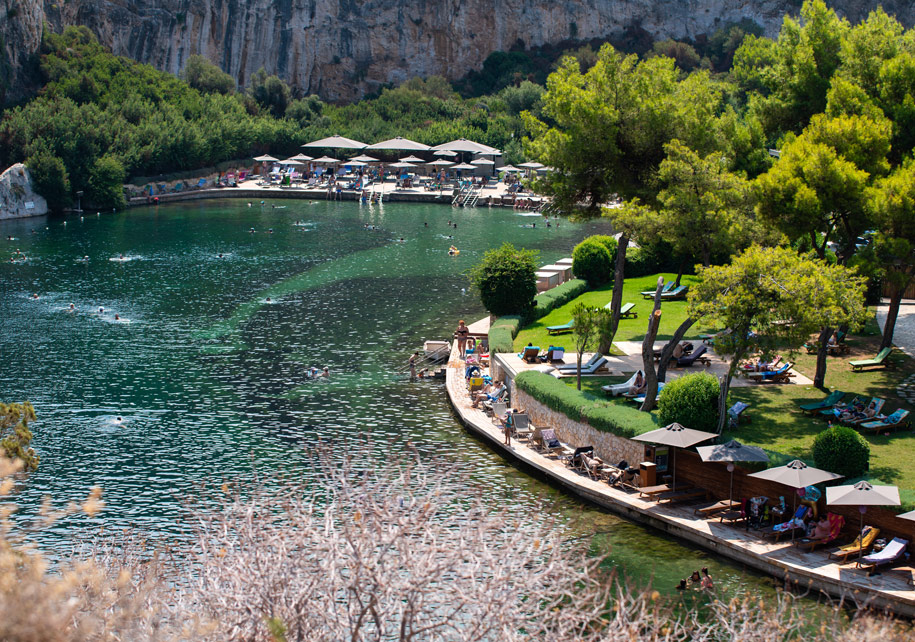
340 49
17 198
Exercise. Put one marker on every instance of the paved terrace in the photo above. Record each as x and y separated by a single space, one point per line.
888 590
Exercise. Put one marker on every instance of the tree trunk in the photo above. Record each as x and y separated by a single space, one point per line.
616 300
680 272
891 314
578 371
819 379
724 386
651 378
668 350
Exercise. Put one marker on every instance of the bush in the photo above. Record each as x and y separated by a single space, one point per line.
201 74
502 331
691 400
50 179
591 262
841 450
616 419
506 281
547 301
106 183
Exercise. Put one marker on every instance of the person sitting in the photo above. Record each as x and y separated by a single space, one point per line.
695 578
495 391
820 530
679 349
638 386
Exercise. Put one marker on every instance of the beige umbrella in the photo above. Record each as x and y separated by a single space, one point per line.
531 165
444 152
399 143
482 161
402 165
441 162
862 495
731 452
327 160
677 436
266 158
507 168
301 157
464 145
796 474
464 166
336 142
411 159
364 159
291 161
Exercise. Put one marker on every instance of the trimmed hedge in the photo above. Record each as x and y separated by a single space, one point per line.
617 419
553 298
841 450
502 333
592 262
691 400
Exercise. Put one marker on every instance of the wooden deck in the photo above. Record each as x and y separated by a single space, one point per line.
805 571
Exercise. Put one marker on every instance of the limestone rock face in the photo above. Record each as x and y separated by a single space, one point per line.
17 198
341 49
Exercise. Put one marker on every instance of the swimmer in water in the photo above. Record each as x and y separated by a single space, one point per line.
401 239
268 300
220 255
117 317
270 231
101 310
119 420
251 230
35 297
326 373
249 204
120 257
72 308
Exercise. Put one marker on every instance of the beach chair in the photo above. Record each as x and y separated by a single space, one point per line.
879 360
858 546
836 522
697 355
546 440
736 413
839 347
626 311
572 367
641 398
521 425
779 375
594 366
559 329
839 407
620 388
499 409
649 294
834 397
796 523
553 354
877 415
682 495
895 420
677 293
531 354
893 552
709 339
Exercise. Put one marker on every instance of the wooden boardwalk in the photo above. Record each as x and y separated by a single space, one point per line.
803 571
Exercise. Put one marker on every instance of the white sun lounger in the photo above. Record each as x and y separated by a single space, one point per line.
620 388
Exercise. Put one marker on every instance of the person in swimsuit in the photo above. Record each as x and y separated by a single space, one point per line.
461 335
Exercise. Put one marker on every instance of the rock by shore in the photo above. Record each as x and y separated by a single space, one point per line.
17 198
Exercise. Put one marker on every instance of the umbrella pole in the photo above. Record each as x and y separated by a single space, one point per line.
793 512
731 490
673 461
861 532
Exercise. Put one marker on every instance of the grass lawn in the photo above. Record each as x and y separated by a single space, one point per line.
673 314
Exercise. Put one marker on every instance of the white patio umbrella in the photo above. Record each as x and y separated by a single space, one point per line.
402 165
441 162
482 161
444 152
796 474
862 495
364 159
677 436
301 157
411 159
531 165
464 145
326 160
507 168
266 158
336 142
731 452
398 143
464 166
291 161
354 163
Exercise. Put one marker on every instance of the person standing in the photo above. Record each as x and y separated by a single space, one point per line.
461 334
413 366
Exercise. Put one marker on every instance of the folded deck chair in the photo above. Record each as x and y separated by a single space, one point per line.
859 545
779 375
572 367
895 420
676 293
620 388
698 355
649 294
836 522
879 360
531 354
834 397
559 329
893 551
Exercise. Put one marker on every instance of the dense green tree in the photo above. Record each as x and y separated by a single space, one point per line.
592 261
271 93
15 436
506 281
106 183
584 332
49 177
773 297
201 74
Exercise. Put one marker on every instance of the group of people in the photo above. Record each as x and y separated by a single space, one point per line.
315 373
697 580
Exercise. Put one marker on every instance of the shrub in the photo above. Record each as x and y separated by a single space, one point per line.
201 74
547 301
50 179
591 262
609 417
501 333
841 450
691 400
506 281
106 183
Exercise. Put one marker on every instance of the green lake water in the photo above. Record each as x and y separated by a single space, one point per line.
209 378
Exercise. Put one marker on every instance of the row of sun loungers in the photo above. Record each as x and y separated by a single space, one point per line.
850 413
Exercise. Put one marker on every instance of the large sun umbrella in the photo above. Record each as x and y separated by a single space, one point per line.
411 159
291 161
364 159
444 152
441 162
464 166
354 163
862 495
482 161
399 144
301 157
677 436
796 474
531 165
402 165
327 160
464 145
336 142
507 168
731 452
266 158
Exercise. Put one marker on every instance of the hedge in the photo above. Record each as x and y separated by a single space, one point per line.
502 333
556 297
624 421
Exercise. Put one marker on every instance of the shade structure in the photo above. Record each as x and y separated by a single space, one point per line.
444 152
796 474
731 452
402 165
507 168
440 162
326 160
301 157
464 145
678 436
464 166
354 163
336 142
266 158
482 161
411 159
862 495
399 143
364 159
531 165
291 161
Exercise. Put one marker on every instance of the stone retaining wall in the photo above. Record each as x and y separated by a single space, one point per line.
609 447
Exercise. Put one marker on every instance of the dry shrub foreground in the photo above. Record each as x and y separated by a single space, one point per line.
407 553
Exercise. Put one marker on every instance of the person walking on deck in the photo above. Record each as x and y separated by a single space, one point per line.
461 334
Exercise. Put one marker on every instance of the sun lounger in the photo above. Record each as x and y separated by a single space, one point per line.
620 388
876 413
649 294
698 355
641 398
796 523
736 413
893 551
856 547
651 491
836 522
574 366
627 311
839 407
879 360
682 495
559 329
554 354
677 293
895 420
594 367
781 375
711 510
834 397
531 354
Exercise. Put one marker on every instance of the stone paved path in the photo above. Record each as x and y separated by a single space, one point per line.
904 334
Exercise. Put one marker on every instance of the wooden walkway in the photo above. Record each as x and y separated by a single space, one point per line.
803 571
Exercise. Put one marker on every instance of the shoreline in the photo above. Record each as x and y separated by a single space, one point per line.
780 560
